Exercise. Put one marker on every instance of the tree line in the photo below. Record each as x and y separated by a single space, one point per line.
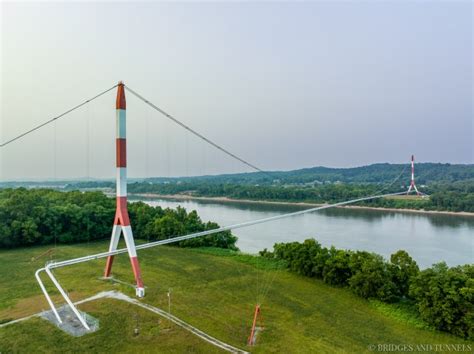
455 197
443 296
45 216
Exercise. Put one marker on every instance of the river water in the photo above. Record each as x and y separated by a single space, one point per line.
428 238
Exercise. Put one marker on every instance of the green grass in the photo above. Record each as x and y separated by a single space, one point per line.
411 197
214 290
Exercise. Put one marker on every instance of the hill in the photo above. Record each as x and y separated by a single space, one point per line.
426 173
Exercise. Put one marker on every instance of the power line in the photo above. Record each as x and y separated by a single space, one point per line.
55 118
200 136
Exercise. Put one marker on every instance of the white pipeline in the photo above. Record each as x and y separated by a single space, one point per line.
69 302
50 302
213 231
172 240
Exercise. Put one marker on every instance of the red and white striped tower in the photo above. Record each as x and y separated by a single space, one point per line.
412 183
122 221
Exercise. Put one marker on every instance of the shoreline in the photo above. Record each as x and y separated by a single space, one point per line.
304 204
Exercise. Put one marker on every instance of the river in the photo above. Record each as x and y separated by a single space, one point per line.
428 238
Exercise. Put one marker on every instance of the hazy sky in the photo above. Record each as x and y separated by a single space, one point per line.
284 85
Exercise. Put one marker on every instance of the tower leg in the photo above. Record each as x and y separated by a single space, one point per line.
128 235
113 246
416 190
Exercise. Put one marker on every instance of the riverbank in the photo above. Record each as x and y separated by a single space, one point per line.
302 204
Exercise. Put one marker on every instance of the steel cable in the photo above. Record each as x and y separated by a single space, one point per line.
200 136
55 118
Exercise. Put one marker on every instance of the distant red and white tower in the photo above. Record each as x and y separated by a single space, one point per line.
412 182
122 221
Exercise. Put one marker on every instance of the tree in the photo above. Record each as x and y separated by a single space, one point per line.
405 268
445 298
166 227
337 270
374 279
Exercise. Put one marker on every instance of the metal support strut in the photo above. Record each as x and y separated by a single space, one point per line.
252 338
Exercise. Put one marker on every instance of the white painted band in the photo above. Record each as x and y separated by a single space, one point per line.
128 235
121 181
121 124
115 237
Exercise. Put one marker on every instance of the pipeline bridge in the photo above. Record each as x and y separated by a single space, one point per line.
122 223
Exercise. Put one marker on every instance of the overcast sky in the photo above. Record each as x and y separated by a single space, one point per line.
284 85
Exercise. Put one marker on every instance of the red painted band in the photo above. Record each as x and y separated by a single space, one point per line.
120 103
136 271
108 266
121 150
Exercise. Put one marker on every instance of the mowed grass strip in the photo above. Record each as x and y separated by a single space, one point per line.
214 290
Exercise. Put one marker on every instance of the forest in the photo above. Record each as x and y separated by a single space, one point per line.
45 216
442 295
455 197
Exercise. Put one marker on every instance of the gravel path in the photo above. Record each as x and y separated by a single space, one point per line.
120 296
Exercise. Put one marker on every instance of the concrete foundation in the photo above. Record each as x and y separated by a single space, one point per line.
71 324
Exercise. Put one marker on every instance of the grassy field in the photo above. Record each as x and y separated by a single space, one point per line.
216 291
408 197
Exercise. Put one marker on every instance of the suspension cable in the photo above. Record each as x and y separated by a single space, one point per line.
55 118
395 180
200 136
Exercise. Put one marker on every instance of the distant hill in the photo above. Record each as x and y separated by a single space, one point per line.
426 173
